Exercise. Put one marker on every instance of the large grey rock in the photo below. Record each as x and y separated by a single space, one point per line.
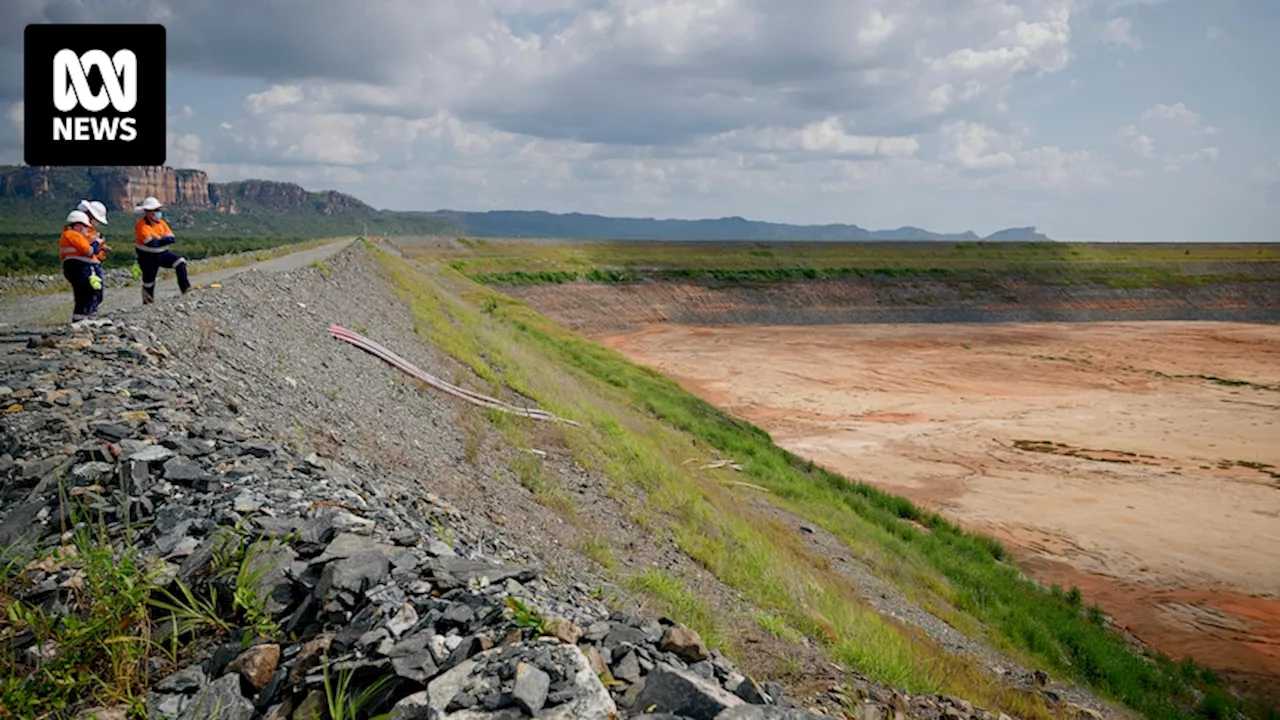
92 472
183 471
346 545
590 700
628 668
151 454
21 523
679 692
269 572
412 658
221 699
452 572
531 688
187 680
354 575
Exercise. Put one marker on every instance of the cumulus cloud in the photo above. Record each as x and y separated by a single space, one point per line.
1119 31
17 115
183 150
1177 127
693 106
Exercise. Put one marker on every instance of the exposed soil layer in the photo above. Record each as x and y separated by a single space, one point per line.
602 308
1137 461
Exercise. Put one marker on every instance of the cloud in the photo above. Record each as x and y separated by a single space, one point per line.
1177 115
1175 126
1213 32
827 137
974 146
824 109
1119 31
11 132
183 150
17 115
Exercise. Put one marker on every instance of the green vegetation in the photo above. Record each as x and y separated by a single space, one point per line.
640 427
644 461
677 600
24 216
1118 266
345 704
28 254
121 613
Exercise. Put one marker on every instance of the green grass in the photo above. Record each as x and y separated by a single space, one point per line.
639 426
30 254
121 615
643 459
677 600
1118 266
44 217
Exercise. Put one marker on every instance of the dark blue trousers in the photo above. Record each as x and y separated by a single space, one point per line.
96 300
150 263
77 273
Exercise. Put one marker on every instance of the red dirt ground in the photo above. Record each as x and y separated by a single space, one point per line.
1093 450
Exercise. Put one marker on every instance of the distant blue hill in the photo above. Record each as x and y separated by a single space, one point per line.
532 223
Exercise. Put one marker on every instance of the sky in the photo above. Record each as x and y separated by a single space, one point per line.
1093 120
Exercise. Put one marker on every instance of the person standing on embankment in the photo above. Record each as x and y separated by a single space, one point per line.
79 255
152 238
97 212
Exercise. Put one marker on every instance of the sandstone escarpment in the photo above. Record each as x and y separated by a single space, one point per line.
123 188
25 182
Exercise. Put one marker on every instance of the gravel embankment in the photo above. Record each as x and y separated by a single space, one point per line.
229 424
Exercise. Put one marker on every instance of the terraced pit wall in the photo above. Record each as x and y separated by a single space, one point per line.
1252 294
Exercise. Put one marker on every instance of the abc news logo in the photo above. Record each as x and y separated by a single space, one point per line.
94 95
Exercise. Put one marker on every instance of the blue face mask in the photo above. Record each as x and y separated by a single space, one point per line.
159 215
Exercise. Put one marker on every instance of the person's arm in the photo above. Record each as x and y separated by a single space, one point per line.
81 244
155 236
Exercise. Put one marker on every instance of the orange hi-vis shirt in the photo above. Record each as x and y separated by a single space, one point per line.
144 232
75 246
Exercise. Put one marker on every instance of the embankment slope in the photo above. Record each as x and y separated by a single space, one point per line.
342 520
1115 430
234 411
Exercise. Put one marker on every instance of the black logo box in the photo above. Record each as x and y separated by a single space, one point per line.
42 42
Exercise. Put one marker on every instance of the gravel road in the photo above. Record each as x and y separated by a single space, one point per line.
26 312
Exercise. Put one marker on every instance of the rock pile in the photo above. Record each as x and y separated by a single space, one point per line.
316 579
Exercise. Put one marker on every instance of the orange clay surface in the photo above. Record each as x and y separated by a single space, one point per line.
1093 450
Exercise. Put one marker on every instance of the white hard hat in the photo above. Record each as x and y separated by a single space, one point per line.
77 216
149 204
94 208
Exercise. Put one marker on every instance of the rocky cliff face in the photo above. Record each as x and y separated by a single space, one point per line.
282 197
25 182
124 187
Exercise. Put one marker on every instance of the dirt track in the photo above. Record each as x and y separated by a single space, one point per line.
24 311
1105 453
